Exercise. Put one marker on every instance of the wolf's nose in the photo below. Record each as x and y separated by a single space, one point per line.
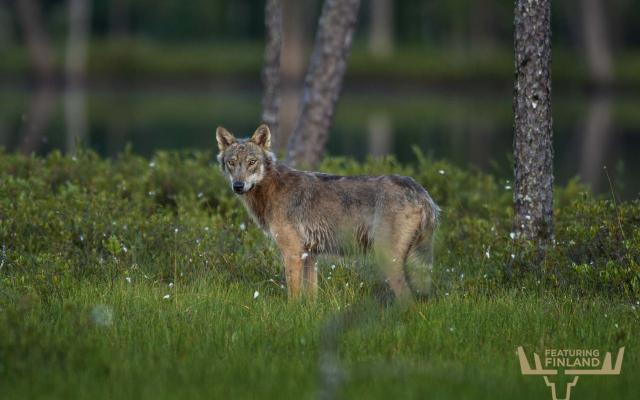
238 187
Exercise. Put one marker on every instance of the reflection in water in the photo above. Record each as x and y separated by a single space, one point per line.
380 134
35 121
463 128
596 141
75 70
75 115
480 135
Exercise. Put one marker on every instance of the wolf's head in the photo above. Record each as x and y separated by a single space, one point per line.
245 161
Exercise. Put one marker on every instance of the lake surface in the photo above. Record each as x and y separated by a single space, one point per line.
468 128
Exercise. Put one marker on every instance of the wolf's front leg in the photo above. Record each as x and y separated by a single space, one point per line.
293 272
293 255
310 276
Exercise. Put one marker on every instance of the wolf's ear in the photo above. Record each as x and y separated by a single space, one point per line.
224 138
262 137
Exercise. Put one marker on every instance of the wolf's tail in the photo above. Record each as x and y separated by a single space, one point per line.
419 264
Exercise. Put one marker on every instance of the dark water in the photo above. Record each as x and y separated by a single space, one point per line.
466 128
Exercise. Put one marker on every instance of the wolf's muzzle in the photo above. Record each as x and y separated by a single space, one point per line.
238 187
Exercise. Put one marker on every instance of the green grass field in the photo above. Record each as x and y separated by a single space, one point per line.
136 278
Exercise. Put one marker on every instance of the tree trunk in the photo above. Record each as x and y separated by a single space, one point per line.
36 38
323 81
596 138
596 42
381 28
75 72
43 99
118 18
295 42
271 69
532 144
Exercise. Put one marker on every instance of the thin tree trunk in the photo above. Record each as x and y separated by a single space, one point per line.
533 153
323 81
596 42
36 38
271 70
295 42
381 28
75 72
42 101
595 137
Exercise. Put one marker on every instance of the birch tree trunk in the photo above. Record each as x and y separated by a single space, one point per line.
323 81
271 69
532 144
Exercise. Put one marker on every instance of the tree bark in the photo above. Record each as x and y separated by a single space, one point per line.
323 81
532 144
596 42
271 69
75 72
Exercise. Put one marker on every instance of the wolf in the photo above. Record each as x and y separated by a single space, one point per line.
311 213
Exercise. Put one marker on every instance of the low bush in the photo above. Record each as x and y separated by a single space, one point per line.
174 218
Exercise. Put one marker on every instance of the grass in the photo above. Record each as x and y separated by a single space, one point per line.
138 278
211 340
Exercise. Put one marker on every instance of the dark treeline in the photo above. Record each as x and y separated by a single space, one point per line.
458 23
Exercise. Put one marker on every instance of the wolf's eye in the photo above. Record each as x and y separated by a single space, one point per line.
231 163
252 162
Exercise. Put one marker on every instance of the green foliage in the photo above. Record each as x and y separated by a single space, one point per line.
174 218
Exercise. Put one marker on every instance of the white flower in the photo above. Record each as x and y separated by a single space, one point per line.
166 297
333 266
256 294
128 279
512 235
441 172
304 256
507 187
487 254
170 285
243 226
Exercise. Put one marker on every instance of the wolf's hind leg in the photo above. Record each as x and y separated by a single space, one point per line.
389 257
419 267
396 240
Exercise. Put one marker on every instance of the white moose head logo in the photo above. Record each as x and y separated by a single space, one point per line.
606 369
